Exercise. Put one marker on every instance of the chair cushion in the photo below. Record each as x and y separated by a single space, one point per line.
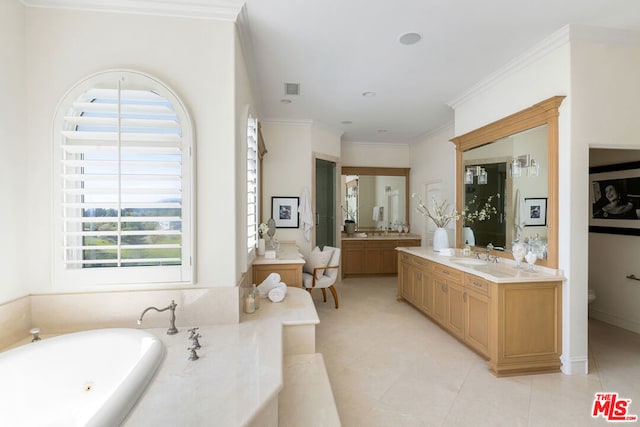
317 259
324 282
335 260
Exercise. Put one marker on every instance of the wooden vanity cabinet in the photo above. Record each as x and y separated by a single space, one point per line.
516 326
372 256
352 257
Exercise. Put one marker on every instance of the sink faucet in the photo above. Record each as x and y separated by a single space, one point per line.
172 319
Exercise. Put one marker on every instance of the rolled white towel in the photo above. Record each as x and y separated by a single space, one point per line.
267 284
278 293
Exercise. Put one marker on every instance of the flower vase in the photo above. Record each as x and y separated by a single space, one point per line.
261 247
349 227
440 239
468 236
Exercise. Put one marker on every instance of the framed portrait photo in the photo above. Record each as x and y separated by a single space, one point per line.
614 191
284 211
535 211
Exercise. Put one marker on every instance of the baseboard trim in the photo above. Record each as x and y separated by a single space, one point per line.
614 320
574 365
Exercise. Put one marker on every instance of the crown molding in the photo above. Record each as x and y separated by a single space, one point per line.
288 122
549 44
225 10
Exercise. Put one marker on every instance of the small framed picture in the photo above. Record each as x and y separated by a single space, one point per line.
535 211
284 211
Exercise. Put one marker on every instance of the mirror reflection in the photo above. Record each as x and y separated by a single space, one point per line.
374 202
505 191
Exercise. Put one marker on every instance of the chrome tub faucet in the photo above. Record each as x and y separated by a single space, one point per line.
172 318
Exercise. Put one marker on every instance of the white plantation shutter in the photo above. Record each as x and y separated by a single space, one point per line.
252 183
125 183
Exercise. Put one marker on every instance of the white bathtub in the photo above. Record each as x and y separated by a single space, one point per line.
90 378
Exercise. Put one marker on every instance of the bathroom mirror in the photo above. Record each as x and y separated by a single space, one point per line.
375 197
503 219
495 149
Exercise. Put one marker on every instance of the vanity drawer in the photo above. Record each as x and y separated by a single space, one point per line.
419 262
476 283
447 272
405 257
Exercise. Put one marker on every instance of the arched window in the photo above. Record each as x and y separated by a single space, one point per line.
122 183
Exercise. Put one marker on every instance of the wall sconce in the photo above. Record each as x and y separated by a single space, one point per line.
478 171
524 165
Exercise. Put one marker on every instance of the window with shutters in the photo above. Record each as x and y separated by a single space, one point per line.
252 183
123 179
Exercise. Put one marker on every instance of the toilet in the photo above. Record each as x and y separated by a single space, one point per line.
591 295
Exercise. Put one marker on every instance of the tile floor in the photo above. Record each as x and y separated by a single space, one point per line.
389 365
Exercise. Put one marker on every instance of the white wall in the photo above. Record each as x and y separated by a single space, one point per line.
543 72
370 154
605 115
433 161
288 166
195 58
286 170
15 253
244 103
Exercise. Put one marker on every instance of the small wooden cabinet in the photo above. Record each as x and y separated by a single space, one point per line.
372 256
516 326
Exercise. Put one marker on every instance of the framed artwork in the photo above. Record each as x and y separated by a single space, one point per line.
284 211
614 193
535 211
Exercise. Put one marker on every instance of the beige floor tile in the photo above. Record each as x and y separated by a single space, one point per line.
389 365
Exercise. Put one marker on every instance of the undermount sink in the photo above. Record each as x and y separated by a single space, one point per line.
469 261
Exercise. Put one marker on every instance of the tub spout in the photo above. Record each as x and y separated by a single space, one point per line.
172 318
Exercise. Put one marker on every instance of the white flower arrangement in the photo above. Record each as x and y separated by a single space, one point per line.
441 213
472 215
350 213
262 229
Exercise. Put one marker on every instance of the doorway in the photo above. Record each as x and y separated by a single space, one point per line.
325 197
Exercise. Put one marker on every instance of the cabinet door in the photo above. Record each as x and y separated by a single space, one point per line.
456 313
352 258
389 265
406 281
439 300
417 278
477 321
372 260
427 294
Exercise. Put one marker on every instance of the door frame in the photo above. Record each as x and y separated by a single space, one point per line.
314 156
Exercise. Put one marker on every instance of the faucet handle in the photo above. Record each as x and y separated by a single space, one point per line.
35 332
193 355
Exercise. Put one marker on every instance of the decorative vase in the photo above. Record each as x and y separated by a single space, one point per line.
440 239
350 228
261 246
468 236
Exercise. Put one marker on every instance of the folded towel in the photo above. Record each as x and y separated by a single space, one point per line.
267 284
447 251
278 293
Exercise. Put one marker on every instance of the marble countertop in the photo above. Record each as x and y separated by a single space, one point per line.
239 371
390 236
288 254
502 272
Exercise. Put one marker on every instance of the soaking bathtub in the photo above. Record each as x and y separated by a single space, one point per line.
90 378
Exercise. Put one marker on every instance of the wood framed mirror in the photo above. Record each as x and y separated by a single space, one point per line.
363 188
544 113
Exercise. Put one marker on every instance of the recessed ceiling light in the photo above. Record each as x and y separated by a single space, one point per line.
285 101
410 38
382 130
346 122
368 94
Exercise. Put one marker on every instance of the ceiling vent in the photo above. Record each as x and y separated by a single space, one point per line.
292 88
